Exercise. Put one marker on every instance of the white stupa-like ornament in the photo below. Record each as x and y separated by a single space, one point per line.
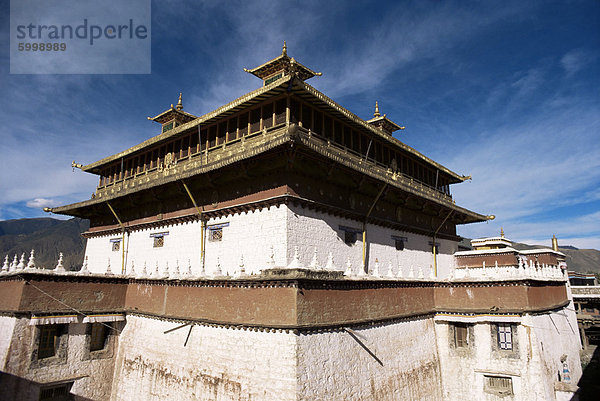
21 265
59 266
348 271
31 262
84 268
314 263
295 263
330 266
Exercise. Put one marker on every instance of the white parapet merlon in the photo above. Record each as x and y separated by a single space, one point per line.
511 272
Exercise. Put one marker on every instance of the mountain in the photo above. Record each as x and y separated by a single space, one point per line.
47 237
579 260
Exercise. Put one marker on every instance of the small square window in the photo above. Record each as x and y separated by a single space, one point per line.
505 340
49 340
99 336
215 234
56 392
159 241
461 335
498 385
399 244
349 237
116 246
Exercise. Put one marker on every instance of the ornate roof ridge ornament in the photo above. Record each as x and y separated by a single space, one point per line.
281 66
179 103
382 122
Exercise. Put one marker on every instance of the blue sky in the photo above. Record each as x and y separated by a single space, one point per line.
507 92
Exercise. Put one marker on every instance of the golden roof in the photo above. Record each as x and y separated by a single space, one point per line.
285 64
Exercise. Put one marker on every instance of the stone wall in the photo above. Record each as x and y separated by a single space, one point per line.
396 361
23 373
217 363
533 365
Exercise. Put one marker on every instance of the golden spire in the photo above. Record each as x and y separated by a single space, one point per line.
501 232
376 114
284 51
179 103
554 243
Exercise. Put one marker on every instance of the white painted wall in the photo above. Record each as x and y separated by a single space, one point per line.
534 370
334 366
216 364
7 326
92 377
250 235
309 229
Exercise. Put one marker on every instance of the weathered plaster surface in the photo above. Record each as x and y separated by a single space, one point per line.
216 364
404 364
24 373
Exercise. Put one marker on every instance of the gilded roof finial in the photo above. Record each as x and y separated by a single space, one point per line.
284 51
554 243
501 232
179 103
376 114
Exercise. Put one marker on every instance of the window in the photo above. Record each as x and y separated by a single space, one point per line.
99 336
505 340
399 242
349 237
159 239
57 392
435 248
350 234
498 385
49 340
116 244
168 126
461 335
215 234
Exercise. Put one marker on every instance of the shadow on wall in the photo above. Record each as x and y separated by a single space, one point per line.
15 388
589 384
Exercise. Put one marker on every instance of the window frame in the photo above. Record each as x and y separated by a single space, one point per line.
51 341
350 235
461 335
503 330
99 336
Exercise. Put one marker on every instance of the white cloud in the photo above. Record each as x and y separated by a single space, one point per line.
40 203
575 60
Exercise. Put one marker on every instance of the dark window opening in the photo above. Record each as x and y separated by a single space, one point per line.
57 392
243 125
99 336
461 335
255 120
267 115
49 339
280 111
